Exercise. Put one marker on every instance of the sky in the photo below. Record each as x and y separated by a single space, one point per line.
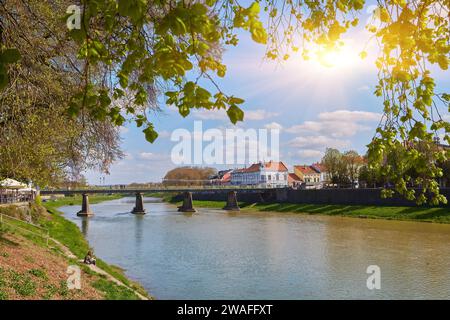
314 107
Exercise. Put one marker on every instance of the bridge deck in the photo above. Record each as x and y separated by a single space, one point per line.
158 190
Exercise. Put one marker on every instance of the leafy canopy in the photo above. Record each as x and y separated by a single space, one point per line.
165 47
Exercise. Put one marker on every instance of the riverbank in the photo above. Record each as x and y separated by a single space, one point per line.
31 269
422 214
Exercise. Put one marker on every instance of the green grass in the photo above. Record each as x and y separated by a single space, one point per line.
70 235
22 284
113 291
424 214
38 273
165 196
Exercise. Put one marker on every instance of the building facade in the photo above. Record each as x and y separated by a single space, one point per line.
310 177
324 175
294 181
266 174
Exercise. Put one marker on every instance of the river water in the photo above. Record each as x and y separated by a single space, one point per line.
215 254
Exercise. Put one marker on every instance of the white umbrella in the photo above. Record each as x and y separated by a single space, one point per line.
12 184
27 189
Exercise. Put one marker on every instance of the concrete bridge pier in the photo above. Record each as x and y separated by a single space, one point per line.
187 203
139 207
85 208
232 203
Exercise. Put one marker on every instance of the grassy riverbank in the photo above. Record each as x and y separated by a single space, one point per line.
424 214
29 269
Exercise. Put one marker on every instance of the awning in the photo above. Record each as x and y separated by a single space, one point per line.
12 184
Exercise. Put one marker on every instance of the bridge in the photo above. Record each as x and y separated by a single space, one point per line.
187 206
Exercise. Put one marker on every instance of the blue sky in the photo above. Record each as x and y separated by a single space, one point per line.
313 106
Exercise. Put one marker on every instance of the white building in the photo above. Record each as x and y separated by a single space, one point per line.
324 175
267 174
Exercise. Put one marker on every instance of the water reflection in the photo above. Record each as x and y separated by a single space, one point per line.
139 230
84 226
215 254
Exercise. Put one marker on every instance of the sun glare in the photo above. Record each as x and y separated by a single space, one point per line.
335 58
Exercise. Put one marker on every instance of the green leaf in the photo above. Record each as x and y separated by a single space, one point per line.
235 114
150 134
10 56
235 100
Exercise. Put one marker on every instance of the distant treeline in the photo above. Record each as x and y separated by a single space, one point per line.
192 176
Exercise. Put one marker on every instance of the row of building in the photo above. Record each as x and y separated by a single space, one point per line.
274 174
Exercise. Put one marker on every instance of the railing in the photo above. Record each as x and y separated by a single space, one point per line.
15 197
167 188
14 223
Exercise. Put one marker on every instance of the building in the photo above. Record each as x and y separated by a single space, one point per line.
324 175
294 181
267 174
310 177
222 177
13 191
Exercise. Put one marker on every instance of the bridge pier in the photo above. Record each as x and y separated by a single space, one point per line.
139 207
85 208
187 203
232 203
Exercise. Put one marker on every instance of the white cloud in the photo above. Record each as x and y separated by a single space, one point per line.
123 130
364 88
153 156
347 115
310 154
318 142
164 134
337 124
128 156
259 114
206 114
273 125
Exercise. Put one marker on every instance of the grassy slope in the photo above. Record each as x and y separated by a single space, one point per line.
29 269
440 215
70 235
17 275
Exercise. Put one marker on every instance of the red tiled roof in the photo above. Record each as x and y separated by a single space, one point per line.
226 177
271 165
293 177
306 169
275 166
320 167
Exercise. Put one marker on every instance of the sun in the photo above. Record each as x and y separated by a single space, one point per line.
337 57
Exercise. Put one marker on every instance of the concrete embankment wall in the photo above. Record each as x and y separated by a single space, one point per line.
324 196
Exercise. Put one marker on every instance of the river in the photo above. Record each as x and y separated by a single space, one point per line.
215 254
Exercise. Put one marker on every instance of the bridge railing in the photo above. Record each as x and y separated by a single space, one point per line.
15 197
170 188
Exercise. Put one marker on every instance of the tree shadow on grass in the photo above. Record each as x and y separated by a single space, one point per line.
7 242
437 214
313 208
423 213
